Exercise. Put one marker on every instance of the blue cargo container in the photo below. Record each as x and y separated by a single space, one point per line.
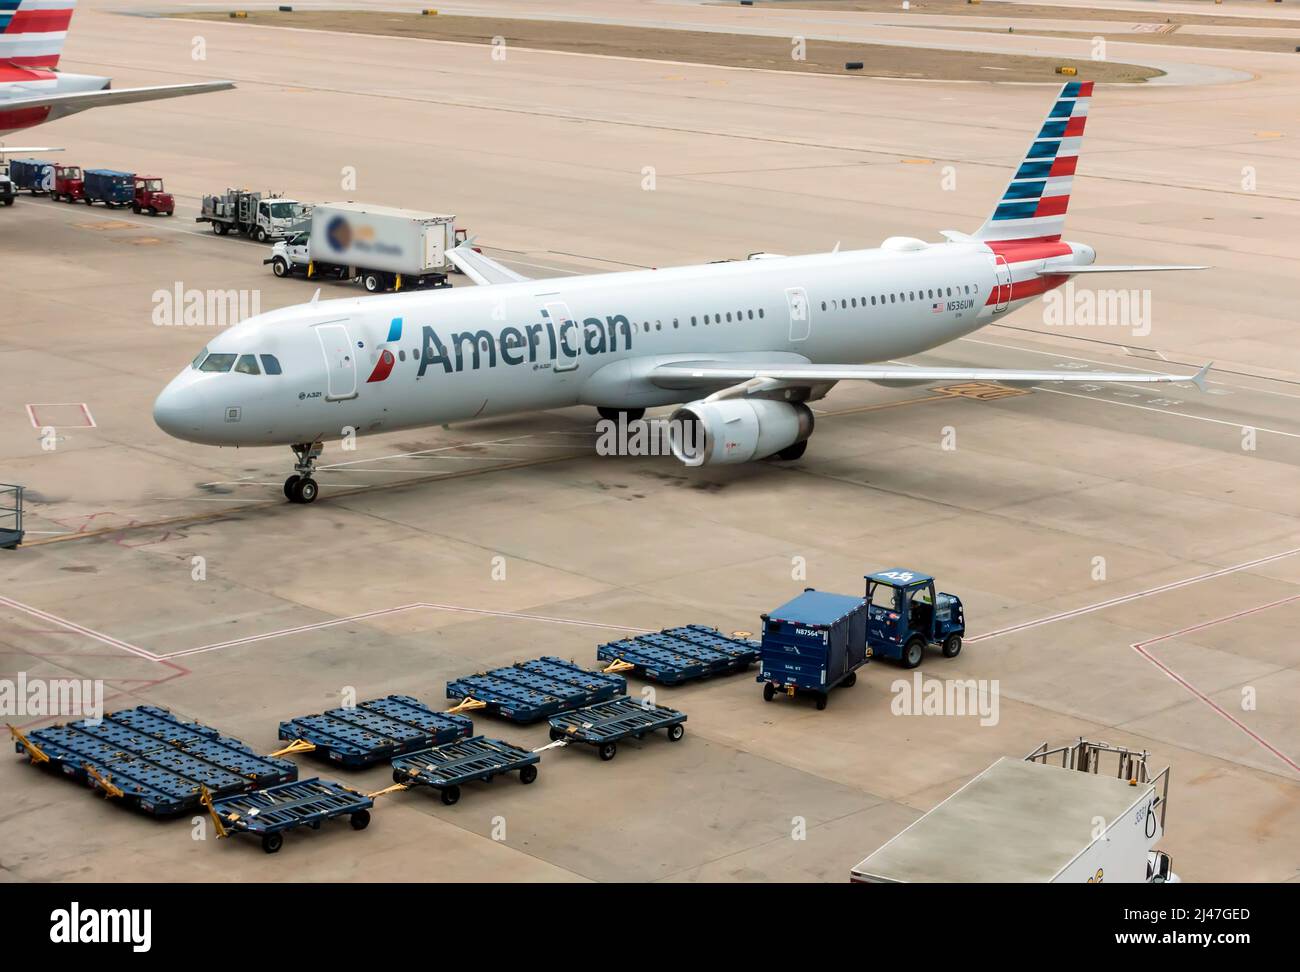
34 175
812 644
108 186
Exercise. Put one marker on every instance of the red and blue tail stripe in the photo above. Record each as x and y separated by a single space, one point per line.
1034 203
32 32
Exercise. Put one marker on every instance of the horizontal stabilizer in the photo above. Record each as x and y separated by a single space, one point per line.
1051 271
80 100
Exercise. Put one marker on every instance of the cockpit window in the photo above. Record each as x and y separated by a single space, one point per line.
218 362
199 357
270 364
247 365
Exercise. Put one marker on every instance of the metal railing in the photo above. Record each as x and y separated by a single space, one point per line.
11 511
1087 757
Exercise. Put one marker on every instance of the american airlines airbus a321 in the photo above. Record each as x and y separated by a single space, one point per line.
746 344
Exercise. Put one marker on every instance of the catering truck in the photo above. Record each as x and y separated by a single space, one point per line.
259 216
383 247
1055 817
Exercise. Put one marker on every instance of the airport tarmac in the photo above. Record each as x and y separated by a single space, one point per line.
390 583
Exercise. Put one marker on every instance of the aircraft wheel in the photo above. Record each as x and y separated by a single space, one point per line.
305 490
612 414
289 484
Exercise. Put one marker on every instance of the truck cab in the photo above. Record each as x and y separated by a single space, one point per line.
7 190
68 183
905 614
151 197
290 256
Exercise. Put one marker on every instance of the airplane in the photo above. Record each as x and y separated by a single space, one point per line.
33 91
746 345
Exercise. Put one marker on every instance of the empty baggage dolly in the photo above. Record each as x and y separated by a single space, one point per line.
676 655
378 730
447 768
305 803
604 724
533 690
153 761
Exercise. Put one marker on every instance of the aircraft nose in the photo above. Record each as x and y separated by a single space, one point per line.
176 410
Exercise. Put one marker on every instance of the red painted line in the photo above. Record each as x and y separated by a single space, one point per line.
1141 648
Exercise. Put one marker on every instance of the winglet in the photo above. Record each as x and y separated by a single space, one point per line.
1199 379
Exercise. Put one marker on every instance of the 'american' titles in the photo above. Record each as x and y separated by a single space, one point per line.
531 343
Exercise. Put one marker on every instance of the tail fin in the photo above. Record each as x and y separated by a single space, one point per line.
1034 203
32 32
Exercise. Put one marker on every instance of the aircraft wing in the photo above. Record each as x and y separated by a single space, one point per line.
716 372
482 270
79 100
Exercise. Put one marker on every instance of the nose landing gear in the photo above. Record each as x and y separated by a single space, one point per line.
301 487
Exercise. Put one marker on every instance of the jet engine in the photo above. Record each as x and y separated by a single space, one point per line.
738 430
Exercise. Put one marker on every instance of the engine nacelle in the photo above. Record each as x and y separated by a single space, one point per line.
737 429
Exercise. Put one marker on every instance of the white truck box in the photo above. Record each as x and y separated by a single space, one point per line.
395 241
1030 821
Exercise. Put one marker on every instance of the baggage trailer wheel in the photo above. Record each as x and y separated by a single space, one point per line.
556 734
450 795
850 680
360 820
272 842
913 653
399 776
527 774
769 693
608 751
676 732
952 646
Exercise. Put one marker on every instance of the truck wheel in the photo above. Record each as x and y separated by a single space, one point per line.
272 842
450 795
259 234
850 680
135 208
913 653
372 283
153 211
952 646
821 702
527 774
360 820
221 229
769 693
280 267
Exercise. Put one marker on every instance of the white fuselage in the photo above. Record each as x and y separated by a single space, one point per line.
592 339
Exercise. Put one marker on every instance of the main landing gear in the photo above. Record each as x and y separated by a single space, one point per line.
301 487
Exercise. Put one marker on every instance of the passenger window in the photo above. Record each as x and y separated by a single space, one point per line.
247 365
694 322
270 364
218 362
760 312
